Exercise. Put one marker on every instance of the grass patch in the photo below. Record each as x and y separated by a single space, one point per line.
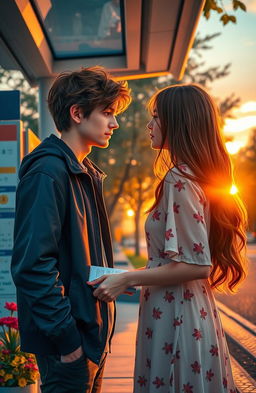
137 261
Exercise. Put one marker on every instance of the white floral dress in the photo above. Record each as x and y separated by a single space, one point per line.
181 346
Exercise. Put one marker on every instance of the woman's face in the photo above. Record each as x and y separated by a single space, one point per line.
155 134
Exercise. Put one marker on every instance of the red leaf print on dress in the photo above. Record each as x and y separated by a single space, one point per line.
198 218
197 334
176 207
176 357
148 363
156 215
214 350
203 313
180 252
198 248
157 313
188 295
158 382
146 294
142 381
209 375
169 234
196 367
149 333
187 388
168 348
179 185
225 382
177 321
168 297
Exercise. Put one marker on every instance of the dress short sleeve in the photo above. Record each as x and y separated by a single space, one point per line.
187 220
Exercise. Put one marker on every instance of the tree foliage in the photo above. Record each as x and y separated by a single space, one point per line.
218 6
14 80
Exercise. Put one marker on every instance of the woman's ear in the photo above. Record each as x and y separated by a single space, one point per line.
76 113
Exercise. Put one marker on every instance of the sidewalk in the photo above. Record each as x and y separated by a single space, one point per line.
118 375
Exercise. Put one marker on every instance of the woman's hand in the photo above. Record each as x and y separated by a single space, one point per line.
110 286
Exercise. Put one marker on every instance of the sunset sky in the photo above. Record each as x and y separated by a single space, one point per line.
236 45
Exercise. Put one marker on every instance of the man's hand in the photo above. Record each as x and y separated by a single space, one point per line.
71 357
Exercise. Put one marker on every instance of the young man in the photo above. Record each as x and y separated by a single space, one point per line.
61 228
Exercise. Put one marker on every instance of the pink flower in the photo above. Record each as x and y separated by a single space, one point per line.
157 313
168 297
168 348
188 295
197 216
209 375
198 248
203 313
149 333
177 321
158 382
176 207
179 185
142 381
11 306
156 215
214 350
196 367
169 234
197 334
187 388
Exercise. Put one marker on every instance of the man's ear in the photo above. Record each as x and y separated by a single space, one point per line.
76 113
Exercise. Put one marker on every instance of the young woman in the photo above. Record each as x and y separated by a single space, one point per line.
196 241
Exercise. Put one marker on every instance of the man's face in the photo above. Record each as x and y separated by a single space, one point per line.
97 129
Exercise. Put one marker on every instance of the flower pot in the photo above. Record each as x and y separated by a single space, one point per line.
33 388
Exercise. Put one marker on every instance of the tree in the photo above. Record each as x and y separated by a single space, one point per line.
245 169
14 80
218 6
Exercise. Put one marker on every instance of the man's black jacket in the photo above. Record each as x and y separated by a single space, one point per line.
60 229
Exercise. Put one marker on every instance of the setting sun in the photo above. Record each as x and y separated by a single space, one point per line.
130 213
233 190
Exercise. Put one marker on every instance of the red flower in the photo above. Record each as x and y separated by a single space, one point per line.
158 382
198 217
169 234
156 215
11 306
179 185
225 382
197 334
146 294
177 321
198 248
188 295
187 388
209 375
11 322
214 350
180 250
168 297
157 313
176 207
162 254
196 367
148 363
168 348
203 313
204 290
142 381
149 333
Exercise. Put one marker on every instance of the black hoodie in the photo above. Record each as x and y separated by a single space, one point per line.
60 227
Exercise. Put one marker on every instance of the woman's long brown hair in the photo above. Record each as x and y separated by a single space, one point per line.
190 124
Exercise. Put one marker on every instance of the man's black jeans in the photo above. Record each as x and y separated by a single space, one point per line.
80 376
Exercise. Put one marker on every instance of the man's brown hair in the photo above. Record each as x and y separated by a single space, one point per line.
89 88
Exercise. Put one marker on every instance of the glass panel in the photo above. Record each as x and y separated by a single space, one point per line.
82 28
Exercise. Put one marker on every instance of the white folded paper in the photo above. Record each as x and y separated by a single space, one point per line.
99 271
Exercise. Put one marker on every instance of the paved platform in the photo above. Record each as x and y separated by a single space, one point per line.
118 377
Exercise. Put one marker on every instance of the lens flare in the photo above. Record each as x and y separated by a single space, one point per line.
233 190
